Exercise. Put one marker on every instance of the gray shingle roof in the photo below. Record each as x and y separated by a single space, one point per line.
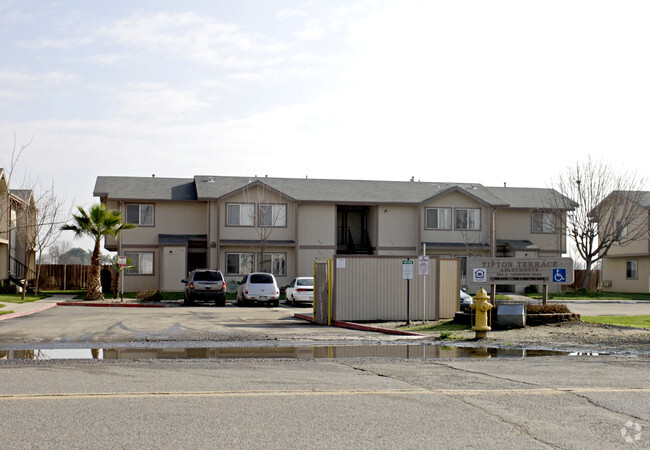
145 188
206 187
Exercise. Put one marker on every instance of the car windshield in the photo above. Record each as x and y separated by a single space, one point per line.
261 278
305 282
207 276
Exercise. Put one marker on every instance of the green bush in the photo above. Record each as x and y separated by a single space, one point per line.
149 296
532 289
547 309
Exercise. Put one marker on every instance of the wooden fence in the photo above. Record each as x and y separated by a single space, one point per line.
65 276
579 276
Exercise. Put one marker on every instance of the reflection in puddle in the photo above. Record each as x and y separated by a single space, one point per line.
421 351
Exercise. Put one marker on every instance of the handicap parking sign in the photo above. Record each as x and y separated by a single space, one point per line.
559 275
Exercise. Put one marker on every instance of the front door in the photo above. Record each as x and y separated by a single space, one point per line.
174 262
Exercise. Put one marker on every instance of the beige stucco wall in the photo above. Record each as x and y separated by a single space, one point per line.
456 200
397 229
615 270
640 246
135 283
516 224
256 196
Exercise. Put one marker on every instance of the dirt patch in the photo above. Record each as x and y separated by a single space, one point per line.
577 336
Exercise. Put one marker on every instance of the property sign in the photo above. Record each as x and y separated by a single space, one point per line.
121 260
521 270
423 265
407 269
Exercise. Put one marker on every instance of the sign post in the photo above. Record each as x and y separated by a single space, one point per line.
423 266
407 274
122 262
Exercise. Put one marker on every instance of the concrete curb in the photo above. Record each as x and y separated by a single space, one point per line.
26 313
360 327
108 305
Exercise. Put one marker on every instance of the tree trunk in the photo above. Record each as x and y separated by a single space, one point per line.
94 291
585 280
116 285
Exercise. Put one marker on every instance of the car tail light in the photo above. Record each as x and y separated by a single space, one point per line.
191 285
246 291
224 286
302 290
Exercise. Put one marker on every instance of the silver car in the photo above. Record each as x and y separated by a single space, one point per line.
465 300
258 287
205 284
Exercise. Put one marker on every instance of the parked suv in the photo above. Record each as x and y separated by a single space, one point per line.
258 287
205 285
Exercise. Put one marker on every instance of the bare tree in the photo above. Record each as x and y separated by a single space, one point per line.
268 211
56 252
602 205
43 226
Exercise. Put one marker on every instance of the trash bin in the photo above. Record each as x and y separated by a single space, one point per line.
511 316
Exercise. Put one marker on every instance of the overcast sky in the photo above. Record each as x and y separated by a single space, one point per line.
468 91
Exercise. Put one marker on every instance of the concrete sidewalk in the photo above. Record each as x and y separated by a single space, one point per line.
23 309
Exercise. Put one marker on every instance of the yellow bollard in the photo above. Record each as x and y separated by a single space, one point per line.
482 307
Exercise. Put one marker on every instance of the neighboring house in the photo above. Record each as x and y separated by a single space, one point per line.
280 225
17 213
626 267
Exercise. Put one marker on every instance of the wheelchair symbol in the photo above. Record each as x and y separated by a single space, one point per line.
559 275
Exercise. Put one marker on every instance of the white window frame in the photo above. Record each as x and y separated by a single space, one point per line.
274 259
140 268
240 270
631 269
548 225
622 226
240 214
141 220
439 218
477 220
278 217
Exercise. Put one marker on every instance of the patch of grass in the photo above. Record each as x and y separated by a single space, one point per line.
622 321
594 295
5 312
17 298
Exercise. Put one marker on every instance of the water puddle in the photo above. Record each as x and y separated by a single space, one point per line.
410 351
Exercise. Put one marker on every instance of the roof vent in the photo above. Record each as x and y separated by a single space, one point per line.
210 180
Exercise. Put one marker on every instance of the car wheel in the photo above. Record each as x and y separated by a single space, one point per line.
220 301
275 303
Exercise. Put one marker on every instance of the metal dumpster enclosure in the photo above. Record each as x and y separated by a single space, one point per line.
371 288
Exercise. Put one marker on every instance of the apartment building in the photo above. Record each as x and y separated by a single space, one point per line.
280 225
626 267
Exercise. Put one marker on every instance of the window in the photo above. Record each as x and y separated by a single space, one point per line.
621 229
631 273
275 263
438 219
142 263
141 215
273 216
240 214
468 219
543 222
239 263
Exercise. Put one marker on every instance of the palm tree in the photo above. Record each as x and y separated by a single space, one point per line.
98 223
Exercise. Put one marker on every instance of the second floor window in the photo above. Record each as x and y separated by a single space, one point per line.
543 222
273 216
141 215
468 219
240 214
438 219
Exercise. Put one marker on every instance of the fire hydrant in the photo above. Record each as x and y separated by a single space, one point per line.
481 308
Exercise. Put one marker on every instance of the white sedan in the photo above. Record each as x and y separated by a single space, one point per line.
301 289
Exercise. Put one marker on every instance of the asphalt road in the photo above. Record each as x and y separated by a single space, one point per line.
389 402
547 402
